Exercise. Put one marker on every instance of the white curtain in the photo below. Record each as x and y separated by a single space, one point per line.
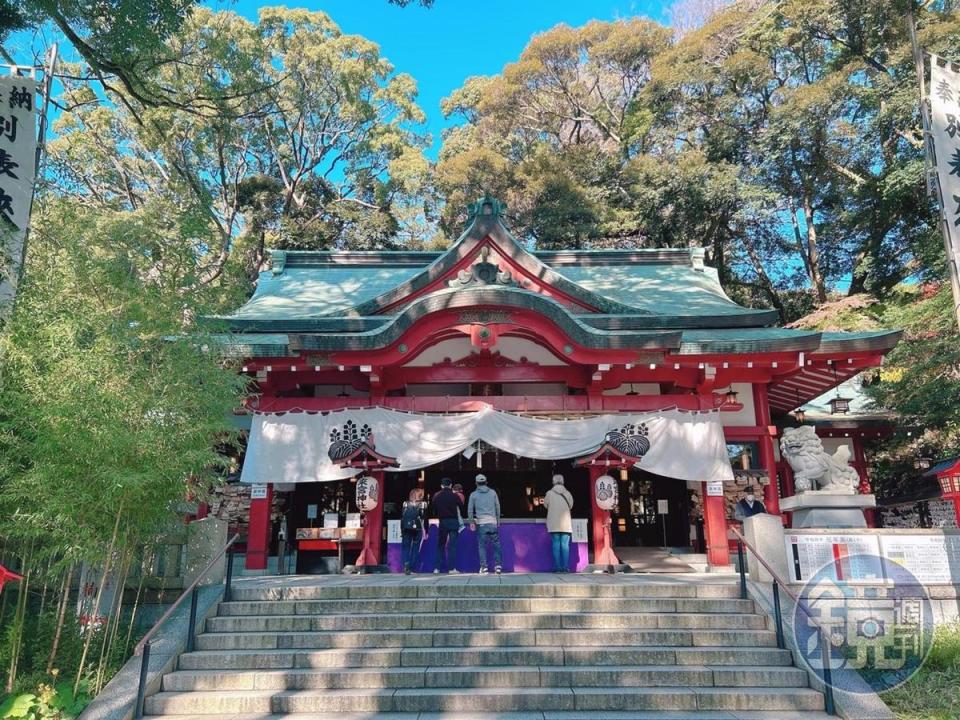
296 447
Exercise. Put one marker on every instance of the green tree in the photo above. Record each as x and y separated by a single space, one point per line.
110 401
313 145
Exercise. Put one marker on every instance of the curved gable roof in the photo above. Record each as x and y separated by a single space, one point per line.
664 288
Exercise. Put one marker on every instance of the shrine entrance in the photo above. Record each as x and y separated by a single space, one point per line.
641 520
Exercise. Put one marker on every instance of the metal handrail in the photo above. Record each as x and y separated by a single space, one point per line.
143 647
779 582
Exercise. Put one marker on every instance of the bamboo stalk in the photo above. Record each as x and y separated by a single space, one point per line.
96 605
136 606
110 631
61 617
17 641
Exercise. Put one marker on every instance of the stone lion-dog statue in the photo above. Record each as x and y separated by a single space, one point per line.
813 469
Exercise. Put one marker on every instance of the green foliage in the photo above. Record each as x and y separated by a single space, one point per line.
101 388
934 692
295 135
785 136
57 702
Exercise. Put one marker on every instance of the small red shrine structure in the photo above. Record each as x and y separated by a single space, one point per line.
489 322
6 575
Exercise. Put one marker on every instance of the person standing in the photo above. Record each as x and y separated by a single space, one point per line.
458 491
559 503
483 512
448 507
411 530
748 506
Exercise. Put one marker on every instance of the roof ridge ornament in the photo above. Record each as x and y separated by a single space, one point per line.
487 206
278 261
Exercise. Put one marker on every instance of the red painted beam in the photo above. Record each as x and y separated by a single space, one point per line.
572 376
518 403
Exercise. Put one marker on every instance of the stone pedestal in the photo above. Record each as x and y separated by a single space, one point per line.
824 510
765 533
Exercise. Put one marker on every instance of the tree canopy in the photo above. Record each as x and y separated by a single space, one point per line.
781 135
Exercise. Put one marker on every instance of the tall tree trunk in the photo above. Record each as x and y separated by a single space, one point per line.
765 281
61 617
813 253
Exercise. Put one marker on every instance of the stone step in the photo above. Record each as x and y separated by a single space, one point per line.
484 700
482 621
485 677
495 638
410 606
528 715
454 656
472 587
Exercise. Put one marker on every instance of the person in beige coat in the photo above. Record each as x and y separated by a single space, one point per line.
559 502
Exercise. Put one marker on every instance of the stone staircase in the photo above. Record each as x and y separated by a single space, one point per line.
541 646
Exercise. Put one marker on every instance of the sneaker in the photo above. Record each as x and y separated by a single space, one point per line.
454 572
406 571
483 571
436 571
497 569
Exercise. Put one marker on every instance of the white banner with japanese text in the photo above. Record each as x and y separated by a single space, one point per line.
18 152
945 128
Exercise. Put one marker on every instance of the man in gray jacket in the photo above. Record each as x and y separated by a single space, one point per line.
483 512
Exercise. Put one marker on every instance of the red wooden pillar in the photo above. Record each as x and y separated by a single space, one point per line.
258 534
761 406
715 528
860 464
602 536
373 527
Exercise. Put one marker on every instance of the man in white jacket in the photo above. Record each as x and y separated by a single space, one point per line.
559 502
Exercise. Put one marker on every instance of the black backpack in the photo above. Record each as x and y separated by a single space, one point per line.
412 518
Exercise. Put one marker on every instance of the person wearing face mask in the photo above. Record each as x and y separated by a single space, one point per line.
748 506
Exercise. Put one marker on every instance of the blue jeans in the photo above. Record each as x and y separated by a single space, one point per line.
561 551
488 533
447 535
410 548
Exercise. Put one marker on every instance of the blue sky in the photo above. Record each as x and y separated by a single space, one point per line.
442 46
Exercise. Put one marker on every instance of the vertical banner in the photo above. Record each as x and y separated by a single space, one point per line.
18 153
945 130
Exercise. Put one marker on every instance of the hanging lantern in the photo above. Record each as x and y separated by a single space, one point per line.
368 493
838 405
799 415
605 490
731 396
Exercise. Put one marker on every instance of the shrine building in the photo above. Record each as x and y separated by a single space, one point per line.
628 366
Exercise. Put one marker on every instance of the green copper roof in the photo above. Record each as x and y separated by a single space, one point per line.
317 291
250 345
748 340
629 299
657 288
